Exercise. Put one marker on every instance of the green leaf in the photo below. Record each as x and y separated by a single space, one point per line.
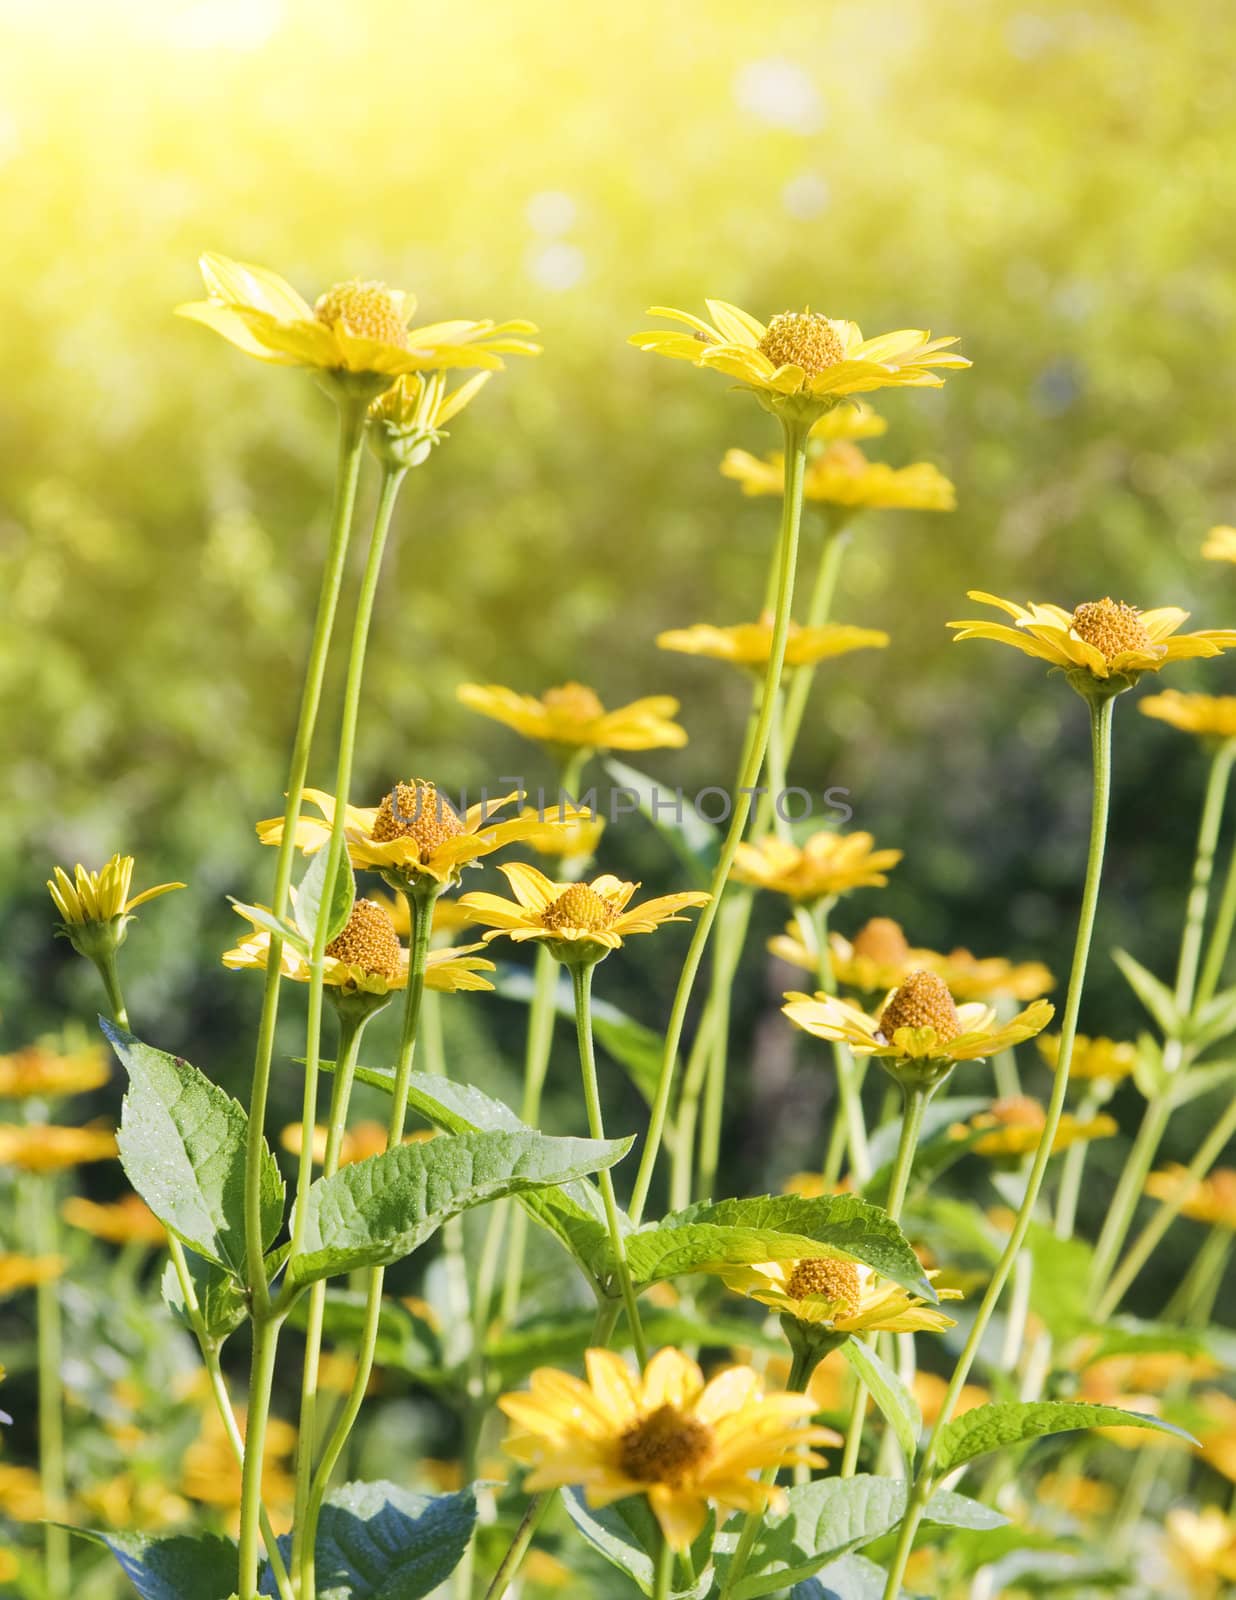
182 1567
182 1144
1157 998
272 924
372 1213
377 1541
695 841
938 1118
309 897
1215 1020
222 1302
776 1228
995 1427
952 1510
850 1578
1060 1282
1130 1336
822 1520
1201 1079
610 1536
891 1395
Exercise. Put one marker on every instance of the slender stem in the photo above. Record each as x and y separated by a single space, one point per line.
1220 937
823 590
795 459
265 1331
1072 1171
581 977
541 1015
1203 869
1100 738
519 1546
664 1570
849 1079
107 969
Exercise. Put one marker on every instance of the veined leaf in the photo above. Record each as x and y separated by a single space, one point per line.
610 1536
695 841
374 1212
850 1578
995 1427
180 1567
221 1301
182 1144
309 897
889 1393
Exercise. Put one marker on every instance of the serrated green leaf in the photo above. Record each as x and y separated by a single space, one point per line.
375 1212
182 1143
222 1302
1157 998
180 1567
895 1401
1006 1423
611 1536
308 901
695 841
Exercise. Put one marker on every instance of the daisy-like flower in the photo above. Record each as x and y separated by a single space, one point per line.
854 419
801 363
356 327
415 833
1211 1199
683 1443
408 420
1220 543
571 717
1202 1546
128 1220
47 1073
1096 1059
749 644
360 1141
920 1030
970 977
825 865
841 475
43 1147
99 897
1102 646
837 1294
26 1272
1210 716
570 841
365 957
1016 1125
579 922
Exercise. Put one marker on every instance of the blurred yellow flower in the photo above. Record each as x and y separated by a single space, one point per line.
41 1071
21 1495
683 1443
1017 1124
26 1272
801 357
841 475
971 977
1202 1546
416 832
572 717
362 1140
211 1474
1104 639
1093 1058
1087 1499
573 916
1211 1199
41 1147
126 1221
129 1502
99 896
366 956
1220 544
562 840
749 644
854 419
353 327
918 1022
837 1294
448 918
10 1566
825 865
1217 1431
1208 715
930 1390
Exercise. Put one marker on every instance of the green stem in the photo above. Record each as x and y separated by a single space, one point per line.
581 977
519 1546
107 969
791 516
822 592
1220 937
664 1570
849 1080
351 433
539 1046
1100 738
1072 1171
1203 870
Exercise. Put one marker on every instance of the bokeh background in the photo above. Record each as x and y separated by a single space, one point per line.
1051 181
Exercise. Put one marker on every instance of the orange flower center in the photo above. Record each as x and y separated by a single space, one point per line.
369 941
1111 627
664 1447
415 810
922 1001
367 309
579 907
573 701
837 1281
802 339
881 940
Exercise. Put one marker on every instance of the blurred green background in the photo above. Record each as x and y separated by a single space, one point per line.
1052 182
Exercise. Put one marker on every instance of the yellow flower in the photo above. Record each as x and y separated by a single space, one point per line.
47 1073
448 918
801 362
1211 716
21 1495
837 1294
126 1221
562 840
841 475
970 977
25 1272
128 1502
573 918
749 644
1093 1058
1220 544
668 1435
1102 641
826 864
1017 1125
360 1141
415 832
10 1566
572 717
1211 1199
41 1147
365 956
1218 1431
211 1474
99 896
853 420
353 327
1202 1545
408 420
930 1389
918 1022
